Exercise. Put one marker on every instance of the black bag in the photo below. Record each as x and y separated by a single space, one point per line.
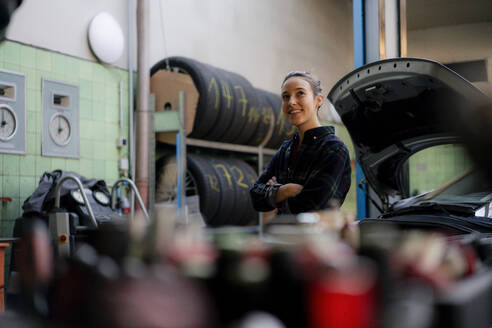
42 199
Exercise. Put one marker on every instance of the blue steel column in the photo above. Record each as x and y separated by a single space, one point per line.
359 60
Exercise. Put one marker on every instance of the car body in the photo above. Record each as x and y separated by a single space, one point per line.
397 107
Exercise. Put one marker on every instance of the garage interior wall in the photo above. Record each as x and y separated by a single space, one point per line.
61 25
99 123
455 43
261 40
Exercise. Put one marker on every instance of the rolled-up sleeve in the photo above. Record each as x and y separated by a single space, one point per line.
330 182
263 195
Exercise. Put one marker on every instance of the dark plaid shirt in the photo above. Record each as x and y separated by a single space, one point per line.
321 164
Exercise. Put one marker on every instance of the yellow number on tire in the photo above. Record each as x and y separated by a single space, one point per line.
226 174
213 83
239 182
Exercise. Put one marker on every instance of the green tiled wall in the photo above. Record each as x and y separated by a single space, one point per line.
99 123
434 166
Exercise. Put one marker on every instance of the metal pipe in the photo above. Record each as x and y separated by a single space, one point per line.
382 28
178 180
261 163
260 169
391 28
403 28
121 104
134 189
359 19
228 146
143 111
84 197
182 159
131 124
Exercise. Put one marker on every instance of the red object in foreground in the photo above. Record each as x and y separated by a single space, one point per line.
3 246
343 300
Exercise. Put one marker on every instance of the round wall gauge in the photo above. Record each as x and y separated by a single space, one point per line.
60 129
8 123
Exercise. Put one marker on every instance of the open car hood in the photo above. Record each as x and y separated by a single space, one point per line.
396 107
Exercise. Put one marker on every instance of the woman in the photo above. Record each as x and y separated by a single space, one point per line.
310 171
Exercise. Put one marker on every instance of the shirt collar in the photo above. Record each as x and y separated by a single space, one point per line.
314 134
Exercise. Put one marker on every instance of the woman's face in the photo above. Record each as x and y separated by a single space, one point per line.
299 104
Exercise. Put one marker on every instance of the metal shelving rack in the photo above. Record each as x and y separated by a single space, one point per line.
178 118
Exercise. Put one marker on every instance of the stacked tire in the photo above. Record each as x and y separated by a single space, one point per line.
229 108
222 185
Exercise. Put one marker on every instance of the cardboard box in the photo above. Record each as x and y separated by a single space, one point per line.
165 86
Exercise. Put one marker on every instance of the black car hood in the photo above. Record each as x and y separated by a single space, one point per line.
396 107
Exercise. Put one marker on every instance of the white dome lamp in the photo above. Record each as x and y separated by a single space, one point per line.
106 38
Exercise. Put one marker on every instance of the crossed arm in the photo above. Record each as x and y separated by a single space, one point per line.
321 187
285 191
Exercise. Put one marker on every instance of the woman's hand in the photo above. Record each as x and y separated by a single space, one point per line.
288 190
285 191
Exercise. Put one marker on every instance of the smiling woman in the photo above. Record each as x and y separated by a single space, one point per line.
311 170
301 99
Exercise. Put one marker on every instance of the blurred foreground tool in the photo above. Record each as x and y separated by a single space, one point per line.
431 257
3 246
332 221
427 279
300 275
345 297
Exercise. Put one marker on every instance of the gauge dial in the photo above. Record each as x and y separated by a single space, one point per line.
78 196
101 197
8 123
60 129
